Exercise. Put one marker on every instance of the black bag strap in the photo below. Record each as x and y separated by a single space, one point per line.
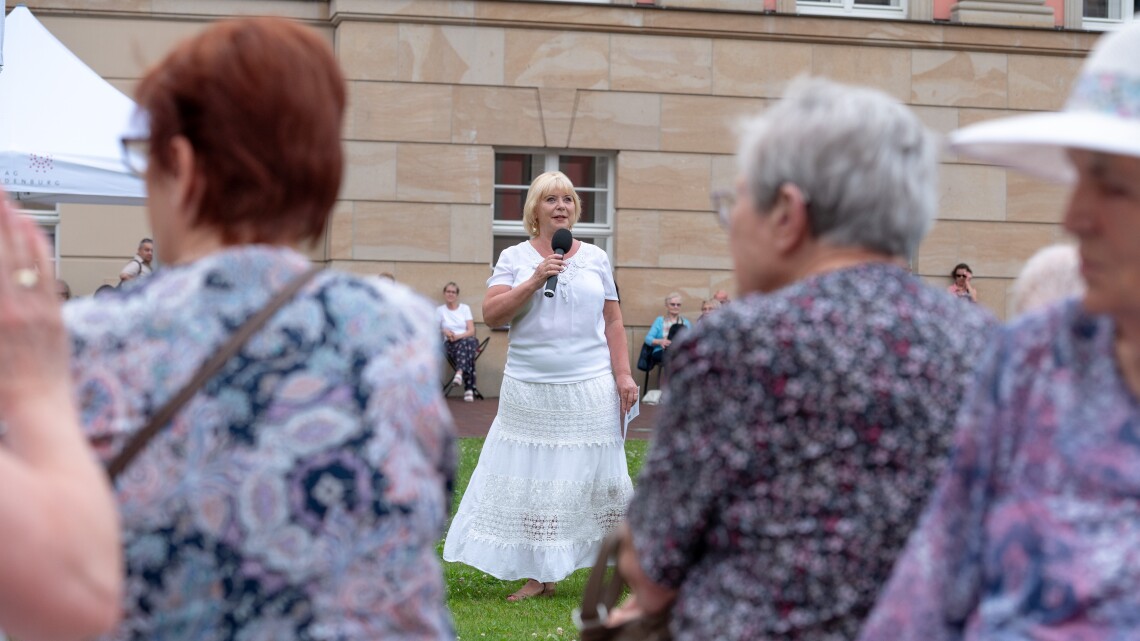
207 371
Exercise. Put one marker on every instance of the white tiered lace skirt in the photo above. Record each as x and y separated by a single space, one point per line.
551 482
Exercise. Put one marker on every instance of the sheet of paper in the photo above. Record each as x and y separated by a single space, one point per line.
632 413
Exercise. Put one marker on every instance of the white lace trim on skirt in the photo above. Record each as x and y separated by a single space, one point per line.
549 485
571 414
548 513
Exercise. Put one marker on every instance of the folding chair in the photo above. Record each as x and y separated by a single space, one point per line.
451 381
647 360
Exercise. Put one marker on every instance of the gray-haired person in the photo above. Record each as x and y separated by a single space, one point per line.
805 423
140 264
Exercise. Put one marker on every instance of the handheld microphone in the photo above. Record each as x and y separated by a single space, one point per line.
561 244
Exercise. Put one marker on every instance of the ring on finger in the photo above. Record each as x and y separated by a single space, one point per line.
25 278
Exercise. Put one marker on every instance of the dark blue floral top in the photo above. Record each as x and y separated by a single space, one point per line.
800 434
300 495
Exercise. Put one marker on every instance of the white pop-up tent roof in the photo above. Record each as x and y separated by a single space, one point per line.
60 123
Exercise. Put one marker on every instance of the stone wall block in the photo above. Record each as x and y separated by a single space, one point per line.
703 123
557 106
118 47
402 231
368 50
1032 200
339 233
757 69
959 78
655 63
885 69
992 249
637 240
648 180
557 59
396 111
942 121
616 120
445 173
369 171
460 55
471 234
971 192
1041 82
497 116
693 240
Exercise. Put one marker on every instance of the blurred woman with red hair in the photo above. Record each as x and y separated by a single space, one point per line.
299 494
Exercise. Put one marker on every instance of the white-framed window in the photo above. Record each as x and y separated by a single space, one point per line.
592 174
48 222
883 9
1105 15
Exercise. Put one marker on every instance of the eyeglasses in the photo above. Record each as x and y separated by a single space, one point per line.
450 291
723 200
136 152
960 275
674 304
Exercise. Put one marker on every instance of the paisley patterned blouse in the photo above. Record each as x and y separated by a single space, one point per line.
300 495
1034 530
801 433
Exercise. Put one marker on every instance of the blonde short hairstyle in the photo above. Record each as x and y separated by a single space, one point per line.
542 186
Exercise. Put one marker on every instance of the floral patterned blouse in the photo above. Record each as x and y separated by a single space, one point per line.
300 495
1034 530
800 434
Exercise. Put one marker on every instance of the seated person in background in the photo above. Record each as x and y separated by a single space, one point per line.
961 285
458 328
708 307
1050 275
666 327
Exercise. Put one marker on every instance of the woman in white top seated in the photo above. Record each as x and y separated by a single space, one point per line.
458 328
551 480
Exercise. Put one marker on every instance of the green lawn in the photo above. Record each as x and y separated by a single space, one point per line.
478 600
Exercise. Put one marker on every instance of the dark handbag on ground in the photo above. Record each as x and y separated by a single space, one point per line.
602 592
207 371
645 360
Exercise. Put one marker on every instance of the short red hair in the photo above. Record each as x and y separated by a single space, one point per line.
261 101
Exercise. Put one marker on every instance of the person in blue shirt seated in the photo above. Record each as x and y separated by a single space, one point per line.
666 328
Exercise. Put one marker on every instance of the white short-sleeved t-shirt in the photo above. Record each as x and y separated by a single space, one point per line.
560 339
453 320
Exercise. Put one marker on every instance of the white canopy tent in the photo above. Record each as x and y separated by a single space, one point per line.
60 123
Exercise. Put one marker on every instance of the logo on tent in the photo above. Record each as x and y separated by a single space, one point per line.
41 164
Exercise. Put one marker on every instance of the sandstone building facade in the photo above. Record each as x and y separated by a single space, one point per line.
455 103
